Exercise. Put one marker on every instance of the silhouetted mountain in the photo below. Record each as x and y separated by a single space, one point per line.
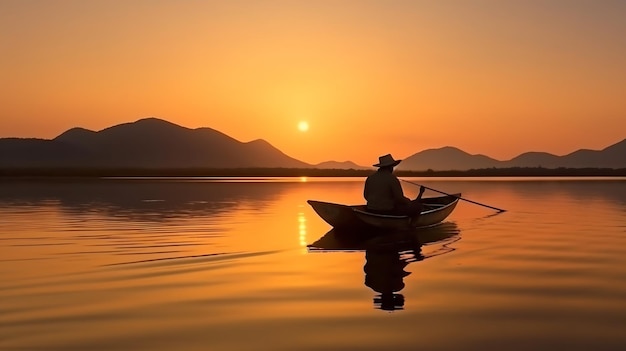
76 135
22 153
532 159
155 143
613 156
146 143
446 158
450 158
339 165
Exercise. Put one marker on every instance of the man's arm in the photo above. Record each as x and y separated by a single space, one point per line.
396 190
419 196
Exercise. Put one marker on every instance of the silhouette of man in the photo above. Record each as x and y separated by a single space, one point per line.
384 194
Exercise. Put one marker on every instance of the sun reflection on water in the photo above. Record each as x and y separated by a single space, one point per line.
302 229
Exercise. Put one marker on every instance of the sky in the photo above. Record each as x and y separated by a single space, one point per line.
368 77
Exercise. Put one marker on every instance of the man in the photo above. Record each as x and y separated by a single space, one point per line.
383 191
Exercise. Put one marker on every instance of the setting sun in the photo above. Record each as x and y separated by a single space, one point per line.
303 126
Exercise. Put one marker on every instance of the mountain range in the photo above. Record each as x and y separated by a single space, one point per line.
156 143
451 158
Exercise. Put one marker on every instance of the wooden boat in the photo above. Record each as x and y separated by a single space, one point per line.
436 209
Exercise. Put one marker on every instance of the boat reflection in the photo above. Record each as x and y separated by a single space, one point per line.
388 254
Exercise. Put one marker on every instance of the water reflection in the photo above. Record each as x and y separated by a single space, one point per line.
388 254
145 200
384 274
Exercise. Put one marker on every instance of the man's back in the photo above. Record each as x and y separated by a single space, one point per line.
383 191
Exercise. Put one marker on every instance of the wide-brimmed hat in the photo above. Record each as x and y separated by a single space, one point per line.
389 301
386 161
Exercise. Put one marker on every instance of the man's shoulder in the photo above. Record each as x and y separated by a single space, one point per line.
383 176
377 174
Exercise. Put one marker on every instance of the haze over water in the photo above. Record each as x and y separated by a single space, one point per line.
208 264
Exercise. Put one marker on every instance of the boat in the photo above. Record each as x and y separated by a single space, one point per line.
340 216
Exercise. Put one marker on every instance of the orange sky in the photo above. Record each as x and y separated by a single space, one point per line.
370 77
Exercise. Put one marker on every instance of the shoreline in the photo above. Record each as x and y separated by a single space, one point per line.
88 173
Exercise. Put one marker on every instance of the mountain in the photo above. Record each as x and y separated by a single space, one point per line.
613 156
155 143
532 159
339 165
21 153
450 158
446 158
146 143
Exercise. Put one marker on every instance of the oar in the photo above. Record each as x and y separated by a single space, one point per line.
441 192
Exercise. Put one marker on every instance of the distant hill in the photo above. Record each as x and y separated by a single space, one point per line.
450 158
152 143
613 156
339 165
24 153
446 158
532 159
146 143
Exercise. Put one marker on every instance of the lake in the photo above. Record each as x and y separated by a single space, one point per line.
223 264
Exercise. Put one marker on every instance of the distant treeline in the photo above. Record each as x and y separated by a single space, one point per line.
303 172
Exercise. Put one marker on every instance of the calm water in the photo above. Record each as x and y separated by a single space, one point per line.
224 265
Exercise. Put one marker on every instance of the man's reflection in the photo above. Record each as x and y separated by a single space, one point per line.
384 273
388 254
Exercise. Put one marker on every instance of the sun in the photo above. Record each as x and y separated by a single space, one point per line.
303 126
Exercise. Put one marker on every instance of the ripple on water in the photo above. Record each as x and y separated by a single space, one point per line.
189 272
